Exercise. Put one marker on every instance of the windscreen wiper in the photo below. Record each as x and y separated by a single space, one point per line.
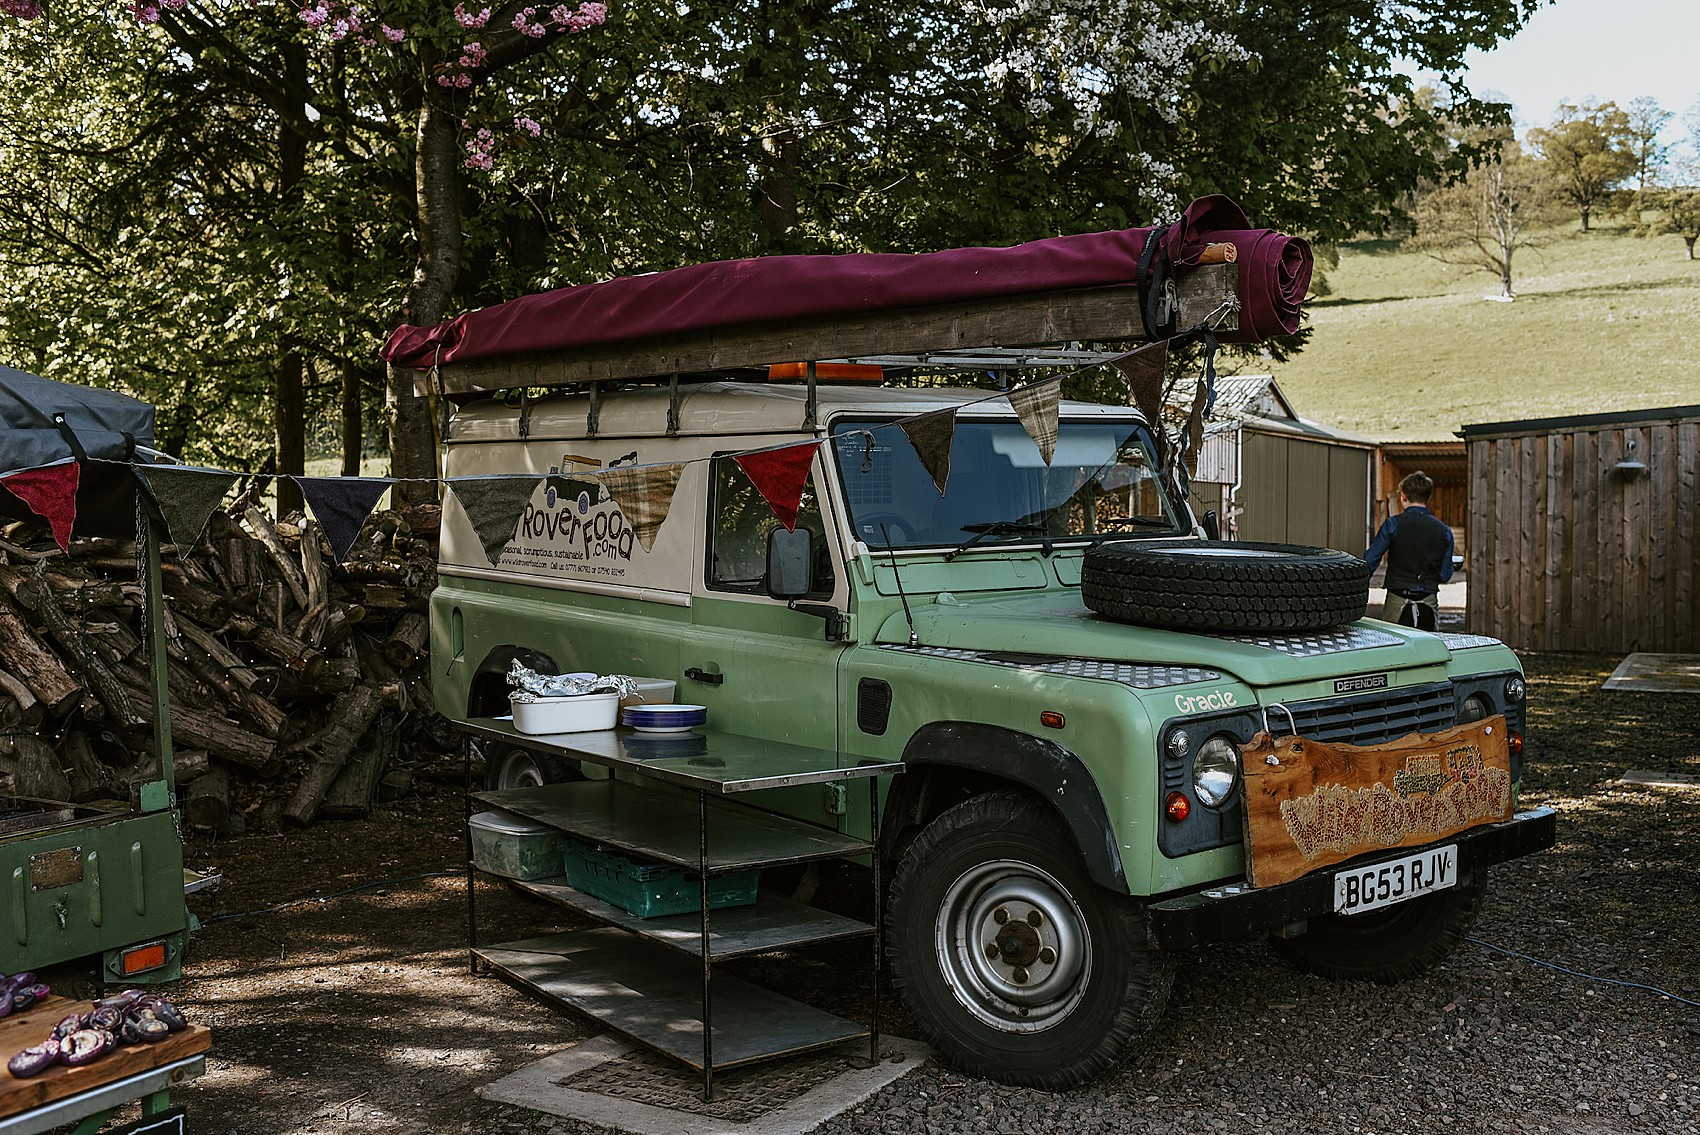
995 528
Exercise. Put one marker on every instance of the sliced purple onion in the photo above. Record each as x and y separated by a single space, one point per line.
85 1045
34 1060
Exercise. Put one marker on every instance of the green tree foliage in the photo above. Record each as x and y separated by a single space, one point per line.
1590 151
1676 211
1646 122
1483 219
256 184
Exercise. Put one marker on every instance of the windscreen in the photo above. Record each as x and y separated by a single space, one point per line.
1102 482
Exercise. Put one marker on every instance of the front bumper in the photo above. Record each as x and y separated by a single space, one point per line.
1235 911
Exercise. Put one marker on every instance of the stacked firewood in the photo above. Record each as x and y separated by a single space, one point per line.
298 688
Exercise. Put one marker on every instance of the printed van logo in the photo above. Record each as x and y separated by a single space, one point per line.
1203 703
604 535
1360 683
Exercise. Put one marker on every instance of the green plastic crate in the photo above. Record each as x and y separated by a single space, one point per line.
650 890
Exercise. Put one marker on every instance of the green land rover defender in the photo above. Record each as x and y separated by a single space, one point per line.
1106 722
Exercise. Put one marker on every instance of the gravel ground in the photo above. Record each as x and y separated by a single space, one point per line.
355 1013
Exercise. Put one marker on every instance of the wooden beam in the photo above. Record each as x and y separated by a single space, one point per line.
1097 315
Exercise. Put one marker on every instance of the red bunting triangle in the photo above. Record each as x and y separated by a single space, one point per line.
51 493
779 476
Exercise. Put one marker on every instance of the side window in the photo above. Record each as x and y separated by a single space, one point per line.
737 554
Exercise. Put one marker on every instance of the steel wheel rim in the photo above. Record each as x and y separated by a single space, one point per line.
1013 946
518 770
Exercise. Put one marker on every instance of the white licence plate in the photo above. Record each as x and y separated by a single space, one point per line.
1383 884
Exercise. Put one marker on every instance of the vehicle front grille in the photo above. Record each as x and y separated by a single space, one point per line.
1370 719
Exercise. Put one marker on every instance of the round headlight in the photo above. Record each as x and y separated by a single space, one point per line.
1514 689
1474 709
1215 770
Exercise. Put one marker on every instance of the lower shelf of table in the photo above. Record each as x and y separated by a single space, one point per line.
770 923
653 995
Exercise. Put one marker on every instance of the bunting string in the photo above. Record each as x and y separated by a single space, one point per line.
495 504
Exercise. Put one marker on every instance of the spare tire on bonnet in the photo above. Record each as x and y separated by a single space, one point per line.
1224 585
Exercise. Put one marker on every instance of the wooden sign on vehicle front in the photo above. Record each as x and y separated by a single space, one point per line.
1311 805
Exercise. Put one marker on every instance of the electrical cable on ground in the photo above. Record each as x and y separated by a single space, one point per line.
332 895
1589 976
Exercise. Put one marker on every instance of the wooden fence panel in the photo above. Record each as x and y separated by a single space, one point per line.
1570 551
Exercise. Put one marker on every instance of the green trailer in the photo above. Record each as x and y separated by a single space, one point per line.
100 880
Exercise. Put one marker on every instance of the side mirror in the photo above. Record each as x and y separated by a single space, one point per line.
1212 526
790 563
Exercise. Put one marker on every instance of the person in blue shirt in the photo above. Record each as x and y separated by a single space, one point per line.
1418 547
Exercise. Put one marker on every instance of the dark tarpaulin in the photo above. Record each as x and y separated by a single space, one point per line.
107 425
1274 275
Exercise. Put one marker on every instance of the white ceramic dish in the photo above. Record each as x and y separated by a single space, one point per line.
665 728
579 713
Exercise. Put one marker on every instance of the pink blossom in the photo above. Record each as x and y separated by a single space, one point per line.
176 5
468 20
523 24
146 13
529 125
472 55
22 9
394 35
560 14
315 17
480 161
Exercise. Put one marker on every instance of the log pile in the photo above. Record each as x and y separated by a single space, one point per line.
299 689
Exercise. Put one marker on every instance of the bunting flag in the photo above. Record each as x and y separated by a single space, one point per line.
1143 370
1036 406
779 476
1194 438
931 435
494 505
185 496
51 493
341 506
644 496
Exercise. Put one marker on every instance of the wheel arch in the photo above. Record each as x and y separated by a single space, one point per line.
487 692
949 761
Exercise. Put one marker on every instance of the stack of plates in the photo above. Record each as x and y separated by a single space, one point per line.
663 718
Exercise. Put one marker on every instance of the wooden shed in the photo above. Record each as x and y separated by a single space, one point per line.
1583 531
1282 478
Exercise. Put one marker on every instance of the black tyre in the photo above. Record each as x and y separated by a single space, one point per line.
509 766
1013 963
1224 585
1390 944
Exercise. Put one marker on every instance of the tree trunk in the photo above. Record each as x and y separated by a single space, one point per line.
1584 220
291 409
352 419
1689 240
436 173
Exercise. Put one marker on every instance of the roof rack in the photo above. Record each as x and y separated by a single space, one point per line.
1034 330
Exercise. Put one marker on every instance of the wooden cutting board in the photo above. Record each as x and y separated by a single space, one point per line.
32 1026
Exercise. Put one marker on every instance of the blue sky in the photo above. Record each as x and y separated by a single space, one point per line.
1613 50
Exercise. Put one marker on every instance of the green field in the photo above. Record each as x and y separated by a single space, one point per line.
1406 348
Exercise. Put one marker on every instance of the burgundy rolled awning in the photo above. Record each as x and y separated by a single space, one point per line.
1274 276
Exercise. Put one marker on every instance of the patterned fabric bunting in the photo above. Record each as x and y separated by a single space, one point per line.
931 436
779 476
51 493
1036 406
341 506
494 506
185 496
1143 370
644 495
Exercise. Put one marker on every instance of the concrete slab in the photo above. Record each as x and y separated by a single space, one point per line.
609 1082
1657 674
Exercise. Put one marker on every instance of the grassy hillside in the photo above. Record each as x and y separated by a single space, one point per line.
1406 349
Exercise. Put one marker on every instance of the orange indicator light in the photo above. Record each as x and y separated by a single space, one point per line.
1177 807
1051 718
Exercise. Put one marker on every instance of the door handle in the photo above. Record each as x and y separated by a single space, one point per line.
698 674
